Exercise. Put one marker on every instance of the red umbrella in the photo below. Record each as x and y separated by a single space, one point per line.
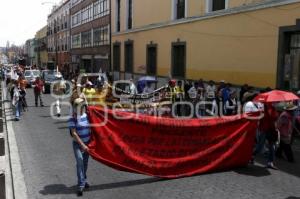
276 96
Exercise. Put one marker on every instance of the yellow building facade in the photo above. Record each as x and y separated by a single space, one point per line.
41 47
239 41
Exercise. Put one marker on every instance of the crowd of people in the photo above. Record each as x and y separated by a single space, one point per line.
17 89
275 134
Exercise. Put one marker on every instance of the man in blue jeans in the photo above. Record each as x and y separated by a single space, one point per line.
16 101
80 131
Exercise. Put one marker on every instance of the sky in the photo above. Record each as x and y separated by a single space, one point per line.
21 19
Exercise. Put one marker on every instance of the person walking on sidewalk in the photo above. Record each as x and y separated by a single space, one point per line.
80 131
16 100
38 89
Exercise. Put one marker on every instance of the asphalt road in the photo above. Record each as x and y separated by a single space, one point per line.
48 165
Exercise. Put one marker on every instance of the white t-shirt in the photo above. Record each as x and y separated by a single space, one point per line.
250 107
211 91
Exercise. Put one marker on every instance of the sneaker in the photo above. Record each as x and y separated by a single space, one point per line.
80 192
271 166
17 119
58 115
42 105
87 186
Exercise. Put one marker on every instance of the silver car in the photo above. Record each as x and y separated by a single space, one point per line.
31 75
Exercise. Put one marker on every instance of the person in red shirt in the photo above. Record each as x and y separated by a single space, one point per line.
38 89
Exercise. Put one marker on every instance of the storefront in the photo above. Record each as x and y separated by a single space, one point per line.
288 74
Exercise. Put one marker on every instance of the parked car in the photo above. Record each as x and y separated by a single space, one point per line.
31 75
50 76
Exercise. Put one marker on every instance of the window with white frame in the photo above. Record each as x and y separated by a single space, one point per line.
76 19
179 9
101 36
101 8
76 41
87 14
86 39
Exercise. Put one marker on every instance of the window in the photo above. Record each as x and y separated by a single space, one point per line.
86 39
129 56
180 8
218 5
117 57
178 59
87 14
75 2
76 41
76 19
151 59
101 8
215 5
101 36
118 22
129 14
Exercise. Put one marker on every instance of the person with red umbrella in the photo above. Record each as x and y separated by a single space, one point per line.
267 128
267 132
285 125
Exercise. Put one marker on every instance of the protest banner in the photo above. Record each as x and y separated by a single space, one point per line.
168 147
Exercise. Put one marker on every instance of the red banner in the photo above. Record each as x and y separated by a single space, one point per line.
170 148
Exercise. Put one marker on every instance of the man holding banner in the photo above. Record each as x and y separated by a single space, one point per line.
80 131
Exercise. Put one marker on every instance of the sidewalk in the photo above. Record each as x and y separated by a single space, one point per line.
15 187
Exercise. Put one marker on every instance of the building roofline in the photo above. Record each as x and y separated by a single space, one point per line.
59 7
220 13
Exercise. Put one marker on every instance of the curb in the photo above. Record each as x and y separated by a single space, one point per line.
14 178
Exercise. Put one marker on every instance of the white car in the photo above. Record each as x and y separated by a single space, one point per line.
31 75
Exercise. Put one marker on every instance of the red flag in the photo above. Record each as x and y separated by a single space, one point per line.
170 148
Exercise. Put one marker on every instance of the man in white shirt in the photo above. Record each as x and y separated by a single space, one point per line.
211 90
193 92
132 88
250 106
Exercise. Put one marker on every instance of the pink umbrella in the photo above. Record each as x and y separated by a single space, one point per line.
276 96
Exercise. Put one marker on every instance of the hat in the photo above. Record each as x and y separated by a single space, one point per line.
172 82
79 85
78 101
89 83
290 107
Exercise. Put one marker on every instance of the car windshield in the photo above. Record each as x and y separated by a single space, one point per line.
36 73
52 75
27 73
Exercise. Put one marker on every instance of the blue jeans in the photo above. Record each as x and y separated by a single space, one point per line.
81 164
18 109
261 140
